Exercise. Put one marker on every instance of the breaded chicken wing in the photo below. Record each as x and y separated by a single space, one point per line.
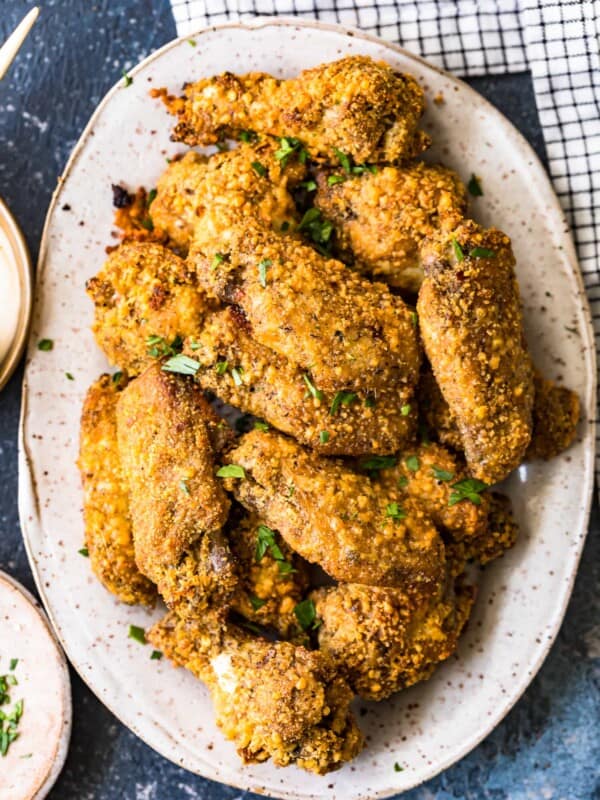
353 528
258 381
228 186
143 293
272 699
438 419
472 328
556 413
356 105
381 218
383 640
348 333
499 535
177 505
108 536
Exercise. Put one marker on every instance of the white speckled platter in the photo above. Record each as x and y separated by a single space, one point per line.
523 597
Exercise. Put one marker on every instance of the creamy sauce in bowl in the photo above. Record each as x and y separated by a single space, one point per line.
10 295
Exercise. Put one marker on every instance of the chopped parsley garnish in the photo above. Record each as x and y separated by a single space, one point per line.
333 179
117 377
182 364
266 541
9 720
369 401
69 376
412 462
84 552
184 487
441 474
147 224
236 374
221 367
482 252
139 634
291 490
310 186
402 481
394 511
398 768
458 252
192 42
341 399
256 602
158 347
474 186
218 258
316 393
374 463
317 229
306 614
349 167
285 226
405 410
344 160
127 79
222 145
13 664
413 318
259 168
288 146
45 345
231 471
285 568
156 655
262 271
467 489
324 437
248 136
151 197
260 425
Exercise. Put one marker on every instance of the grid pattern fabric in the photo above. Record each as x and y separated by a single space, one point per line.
557 40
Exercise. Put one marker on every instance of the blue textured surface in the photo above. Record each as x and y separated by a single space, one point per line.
548 748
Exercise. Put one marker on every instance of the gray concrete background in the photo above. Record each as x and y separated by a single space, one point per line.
548 746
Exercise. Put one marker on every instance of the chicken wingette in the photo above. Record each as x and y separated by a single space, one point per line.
472 327
355 529
381 218
356 106
177 504
108 536
556 412
347 333
272 699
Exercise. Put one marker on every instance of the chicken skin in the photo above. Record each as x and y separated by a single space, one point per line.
381 218
353 528
272 699
145 297
384 640
178 506
230 185
355 105
556 413
258 381
472 328
108 536
345 332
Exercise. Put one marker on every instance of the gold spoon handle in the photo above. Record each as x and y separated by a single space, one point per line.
12 45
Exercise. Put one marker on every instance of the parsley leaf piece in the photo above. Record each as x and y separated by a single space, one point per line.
285 568
412 462
398 768
69 376
116 378
256 602
341 399
474 186
184 487
265 540
139 634
482 252
231 471
344 160
45 345
310 186
127 79
316 393
151 197
402 481
324 437
159 347
248 136
394 511
262 271
317 229
260 425
156 655
236 374
221 367
192 42
441 474
306 614
218 258
13 664
183 365
405 410
377 462
414 318
288 145
84 552
259 168
333 179
467 489
458 251
369 401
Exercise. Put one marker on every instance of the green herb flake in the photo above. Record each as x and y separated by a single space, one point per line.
182 364
262 271
414 318
458 252
138 634
482 252
405 410
45 345
116 378
69 376
441 474
398 768
13 664
259 168
236 374
158 347
218 258
341 399
319 230
316 393
291 490
344 160
474 186
256 602
333 179
412 462
285 568
402 481
231 471
306 614
221 367
310 186
84 552
265 540
192 42
395 512
374 463
248 136
467 489
285 226
260 425
184 487
127 79
324 437
369 401
151 197
288 146
156 655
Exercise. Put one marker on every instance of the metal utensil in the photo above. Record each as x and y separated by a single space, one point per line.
11 46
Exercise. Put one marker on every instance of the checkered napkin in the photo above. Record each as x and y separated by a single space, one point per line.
557 40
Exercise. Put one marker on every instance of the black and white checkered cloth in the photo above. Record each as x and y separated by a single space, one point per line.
557 40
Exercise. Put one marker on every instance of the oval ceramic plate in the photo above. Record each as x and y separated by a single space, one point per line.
523 597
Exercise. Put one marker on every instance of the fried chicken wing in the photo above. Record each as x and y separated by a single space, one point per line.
437 417
178 506
348 333
354 529
381 219
256 380
246 181
472 328
108 536
555 416
143 293
272 699
383 640
355 105
499 535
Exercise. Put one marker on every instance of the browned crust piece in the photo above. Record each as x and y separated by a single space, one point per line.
556 412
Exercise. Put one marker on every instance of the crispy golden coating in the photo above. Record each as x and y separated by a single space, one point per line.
258 381
142 291
428 473
383 640
436 413
353 528
177 505
555 416
357 105
108 535
272 699
499 535
133 218
472 328
350 334
227 187
273 579
381 219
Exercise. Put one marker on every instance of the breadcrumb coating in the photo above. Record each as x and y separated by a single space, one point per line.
356 105
272 699
499 535
439 420
471 323
108 536
381 219
556 412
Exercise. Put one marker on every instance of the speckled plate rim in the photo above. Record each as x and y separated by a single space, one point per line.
27 494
